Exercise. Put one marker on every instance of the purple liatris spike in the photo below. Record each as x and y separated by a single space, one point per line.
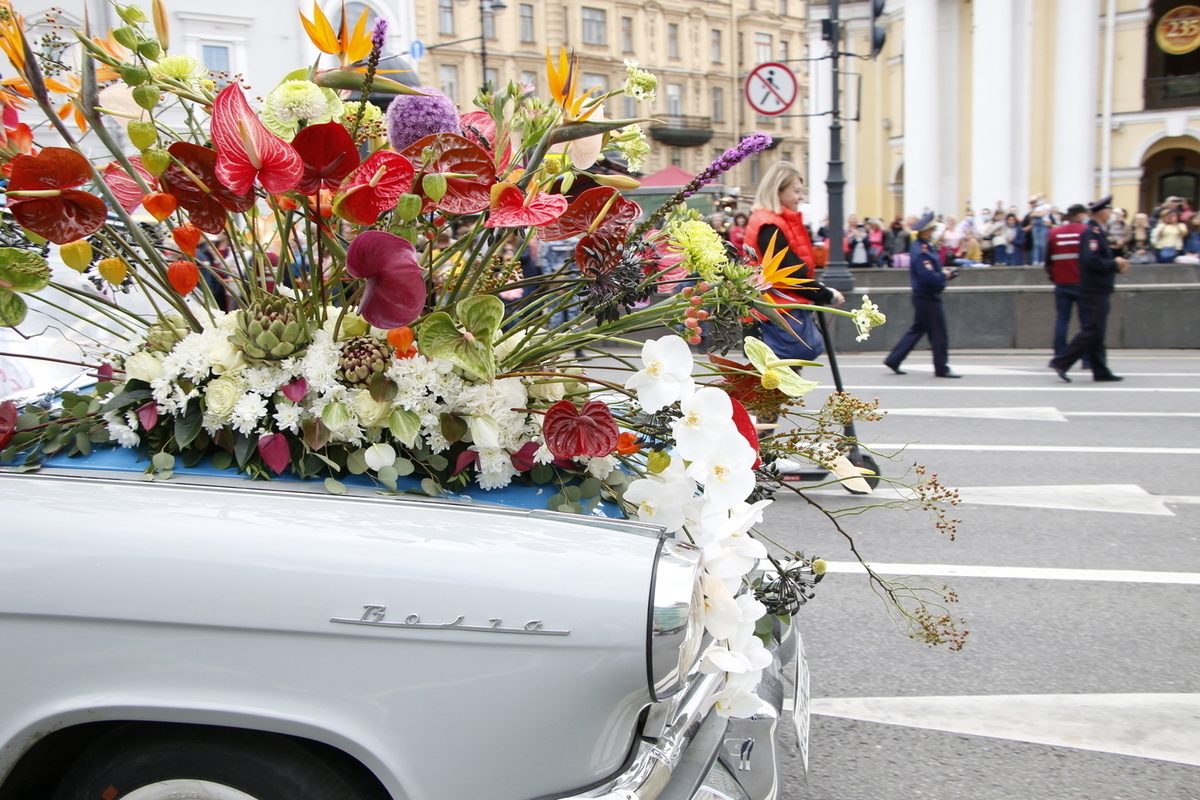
411 117
379 33
754 143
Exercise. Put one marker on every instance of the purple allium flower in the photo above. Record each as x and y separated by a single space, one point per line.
411 117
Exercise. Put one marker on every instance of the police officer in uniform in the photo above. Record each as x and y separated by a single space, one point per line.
1098 268
928 279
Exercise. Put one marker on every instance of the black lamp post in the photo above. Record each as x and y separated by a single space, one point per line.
486 7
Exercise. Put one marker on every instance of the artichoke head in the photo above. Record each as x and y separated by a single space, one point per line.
362 358
169 331
271 329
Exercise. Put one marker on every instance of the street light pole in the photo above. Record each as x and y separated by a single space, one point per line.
837 271
486 7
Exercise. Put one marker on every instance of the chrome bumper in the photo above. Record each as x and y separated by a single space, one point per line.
691 753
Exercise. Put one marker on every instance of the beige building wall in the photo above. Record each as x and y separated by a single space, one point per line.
700 73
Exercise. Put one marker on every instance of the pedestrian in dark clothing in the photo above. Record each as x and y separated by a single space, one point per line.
1097 272
928 279
1063 268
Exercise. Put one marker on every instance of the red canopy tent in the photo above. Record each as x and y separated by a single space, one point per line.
668 176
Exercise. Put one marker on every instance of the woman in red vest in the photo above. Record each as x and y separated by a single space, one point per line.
776 216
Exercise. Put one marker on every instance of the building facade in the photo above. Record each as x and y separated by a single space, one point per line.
974 103
701 53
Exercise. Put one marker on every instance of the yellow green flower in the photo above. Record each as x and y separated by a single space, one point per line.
703 249
866 318
639 84
777 373
180 67
292 101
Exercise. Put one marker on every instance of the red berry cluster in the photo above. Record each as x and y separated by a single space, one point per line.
694 314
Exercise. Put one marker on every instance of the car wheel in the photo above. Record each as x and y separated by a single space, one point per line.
151 762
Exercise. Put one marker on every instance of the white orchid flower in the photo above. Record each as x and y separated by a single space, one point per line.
718 658
720 522
736 701
656 503
751 648
777 372
667 375
732 556
726 469
722 614
707 413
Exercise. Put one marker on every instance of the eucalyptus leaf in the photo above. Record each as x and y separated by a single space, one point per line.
83 444
589 488
163 461
222 460
357 462
334 486
403 467
437 462
387 476
542 473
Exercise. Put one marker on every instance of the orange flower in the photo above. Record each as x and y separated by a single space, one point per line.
772 276
627 444
349 46
401 340
564 75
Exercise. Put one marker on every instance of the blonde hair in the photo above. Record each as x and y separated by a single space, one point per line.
778 176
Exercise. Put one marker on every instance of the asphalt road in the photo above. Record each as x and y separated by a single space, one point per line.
1078 567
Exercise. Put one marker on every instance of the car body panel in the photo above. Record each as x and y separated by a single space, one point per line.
124 599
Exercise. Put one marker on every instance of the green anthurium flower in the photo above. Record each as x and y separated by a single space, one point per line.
777 372
467 344
21 271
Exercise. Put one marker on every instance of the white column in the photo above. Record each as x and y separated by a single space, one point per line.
922 88
819 100
993 114
1076 65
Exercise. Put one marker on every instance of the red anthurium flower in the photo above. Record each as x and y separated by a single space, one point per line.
186 237
465 459
571 431
124 187
467 166
192 178
395 292
523 459
512 209
247 151
584 215
373 188
479 127
273 448
42 199
8 422
745 426
328 154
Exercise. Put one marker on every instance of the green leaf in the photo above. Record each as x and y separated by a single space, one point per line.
316 434
83 443
404 425
243 448
163 461
22 270
222 460
125 398
357 462
438 462
387 476
382 388
439 337
403 467
542 473
334 486
192 456
454 427
589 488
12 309
764 628
187 425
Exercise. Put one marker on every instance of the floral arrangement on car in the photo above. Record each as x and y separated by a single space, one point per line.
342 334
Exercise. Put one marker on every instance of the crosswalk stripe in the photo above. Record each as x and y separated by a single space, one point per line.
1019 573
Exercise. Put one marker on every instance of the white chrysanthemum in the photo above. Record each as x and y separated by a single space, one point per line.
320 363
119 432
179 67
249 409
289 417
265 380
599 466
496 469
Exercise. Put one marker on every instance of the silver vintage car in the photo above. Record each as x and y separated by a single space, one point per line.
218 638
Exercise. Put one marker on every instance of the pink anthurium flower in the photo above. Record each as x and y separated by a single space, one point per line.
247 151
295 390
148 415
372 189
395 292
273 447
124 187
512 209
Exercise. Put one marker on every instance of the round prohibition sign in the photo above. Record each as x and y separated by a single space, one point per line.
771 88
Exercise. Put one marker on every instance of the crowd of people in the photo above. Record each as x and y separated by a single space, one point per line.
1002 236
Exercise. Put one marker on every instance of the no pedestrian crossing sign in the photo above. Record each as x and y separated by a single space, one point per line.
771 88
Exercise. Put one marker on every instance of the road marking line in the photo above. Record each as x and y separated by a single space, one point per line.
1165 727
1020 573
1132 413
1059 387
1117 498
1036 448
1030 414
